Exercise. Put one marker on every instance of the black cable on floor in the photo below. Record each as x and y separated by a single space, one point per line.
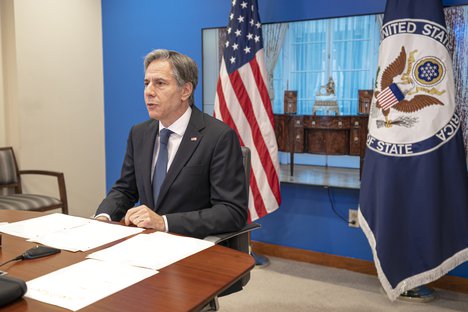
332 202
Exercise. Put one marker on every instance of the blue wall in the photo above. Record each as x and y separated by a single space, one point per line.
306 220
133 28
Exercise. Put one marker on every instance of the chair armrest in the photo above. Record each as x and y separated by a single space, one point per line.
218 238
60 180
42 172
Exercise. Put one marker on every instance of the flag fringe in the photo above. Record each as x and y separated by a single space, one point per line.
415 280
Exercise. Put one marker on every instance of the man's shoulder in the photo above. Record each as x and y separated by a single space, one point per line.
144 125
212 122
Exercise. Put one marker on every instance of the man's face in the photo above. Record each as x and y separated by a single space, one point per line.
165 100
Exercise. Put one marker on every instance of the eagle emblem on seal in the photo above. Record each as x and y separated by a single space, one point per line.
407 91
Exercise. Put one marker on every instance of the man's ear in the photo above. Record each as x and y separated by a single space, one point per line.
187 90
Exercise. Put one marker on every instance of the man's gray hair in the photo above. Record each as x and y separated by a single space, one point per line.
184 68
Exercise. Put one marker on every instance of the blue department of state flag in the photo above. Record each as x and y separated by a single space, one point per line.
414 188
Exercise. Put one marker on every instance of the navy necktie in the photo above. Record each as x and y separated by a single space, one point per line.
161 164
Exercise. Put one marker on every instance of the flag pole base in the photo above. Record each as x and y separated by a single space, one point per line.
260 260
418 294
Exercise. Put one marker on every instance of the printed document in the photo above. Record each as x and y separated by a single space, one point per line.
81 284
153 251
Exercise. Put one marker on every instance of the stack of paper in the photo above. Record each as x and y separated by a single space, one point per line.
68 232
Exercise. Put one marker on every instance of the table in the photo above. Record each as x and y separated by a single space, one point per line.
329 135
186 285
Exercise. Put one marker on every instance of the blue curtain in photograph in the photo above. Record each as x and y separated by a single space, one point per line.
354 59
344 48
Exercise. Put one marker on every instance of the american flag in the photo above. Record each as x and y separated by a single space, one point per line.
390 96
242 102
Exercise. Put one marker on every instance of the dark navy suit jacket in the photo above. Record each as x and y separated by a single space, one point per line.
204 192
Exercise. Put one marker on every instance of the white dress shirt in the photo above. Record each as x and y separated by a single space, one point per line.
178 130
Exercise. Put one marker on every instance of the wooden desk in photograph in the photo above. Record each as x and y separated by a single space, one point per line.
325 135
186 285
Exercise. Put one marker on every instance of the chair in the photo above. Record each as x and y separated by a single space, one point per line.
14 199
239 240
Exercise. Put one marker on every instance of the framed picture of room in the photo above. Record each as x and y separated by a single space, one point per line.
304 55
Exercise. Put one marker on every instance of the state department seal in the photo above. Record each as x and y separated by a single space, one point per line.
429 71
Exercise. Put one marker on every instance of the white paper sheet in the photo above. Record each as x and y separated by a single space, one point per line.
69 232
42 225
88 281
87 236
153 251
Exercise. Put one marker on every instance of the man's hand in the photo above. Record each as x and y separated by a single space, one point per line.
143 217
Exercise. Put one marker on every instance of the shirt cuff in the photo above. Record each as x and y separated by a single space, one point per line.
103 215
165 224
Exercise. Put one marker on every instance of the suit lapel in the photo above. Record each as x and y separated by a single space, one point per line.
149 139
188 145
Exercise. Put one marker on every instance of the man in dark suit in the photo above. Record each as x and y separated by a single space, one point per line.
203 191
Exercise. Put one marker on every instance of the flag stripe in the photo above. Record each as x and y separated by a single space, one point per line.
246 135
267 156
256 204
259 80
260 145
